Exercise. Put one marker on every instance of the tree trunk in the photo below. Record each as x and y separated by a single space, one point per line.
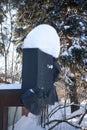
74 98
5 66
73 90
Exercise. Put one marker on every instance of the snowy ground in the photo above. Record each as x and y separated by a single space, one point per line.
31 121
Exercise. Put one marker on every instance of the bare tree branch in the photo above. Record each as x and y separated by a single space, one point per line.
61 121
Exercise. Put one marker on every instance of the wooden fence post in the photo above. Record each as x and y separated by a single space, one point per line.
8 98
1 117
5 118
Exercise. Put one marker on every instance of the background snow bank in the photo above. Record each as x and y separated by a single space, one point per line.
45 38
10 86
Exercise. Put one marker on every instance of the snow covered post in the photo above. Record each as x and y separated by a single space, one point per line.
41 49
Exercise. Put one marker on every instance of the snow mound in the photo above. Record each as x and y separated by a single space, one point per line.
27 123
45 38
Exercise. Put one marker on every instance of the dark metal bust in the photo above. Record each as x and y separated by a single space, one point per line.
39 72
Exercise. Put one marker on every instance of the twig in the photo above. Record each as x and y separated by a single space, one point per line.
58 108
14 118
81 118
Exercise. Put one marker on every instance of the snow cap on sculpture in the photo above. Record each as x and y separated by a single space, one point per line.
45 38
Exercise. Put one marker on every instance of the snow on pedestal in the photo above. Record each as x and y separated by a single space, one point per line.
45 38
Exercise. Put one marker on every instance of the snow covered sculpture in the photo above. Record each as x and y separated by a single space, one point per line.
40 69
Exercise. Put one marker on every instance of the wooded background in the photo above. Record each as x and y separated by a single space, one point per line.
69 18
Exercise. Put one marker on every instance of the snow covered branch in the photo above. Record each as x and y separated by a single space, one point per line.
69 119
